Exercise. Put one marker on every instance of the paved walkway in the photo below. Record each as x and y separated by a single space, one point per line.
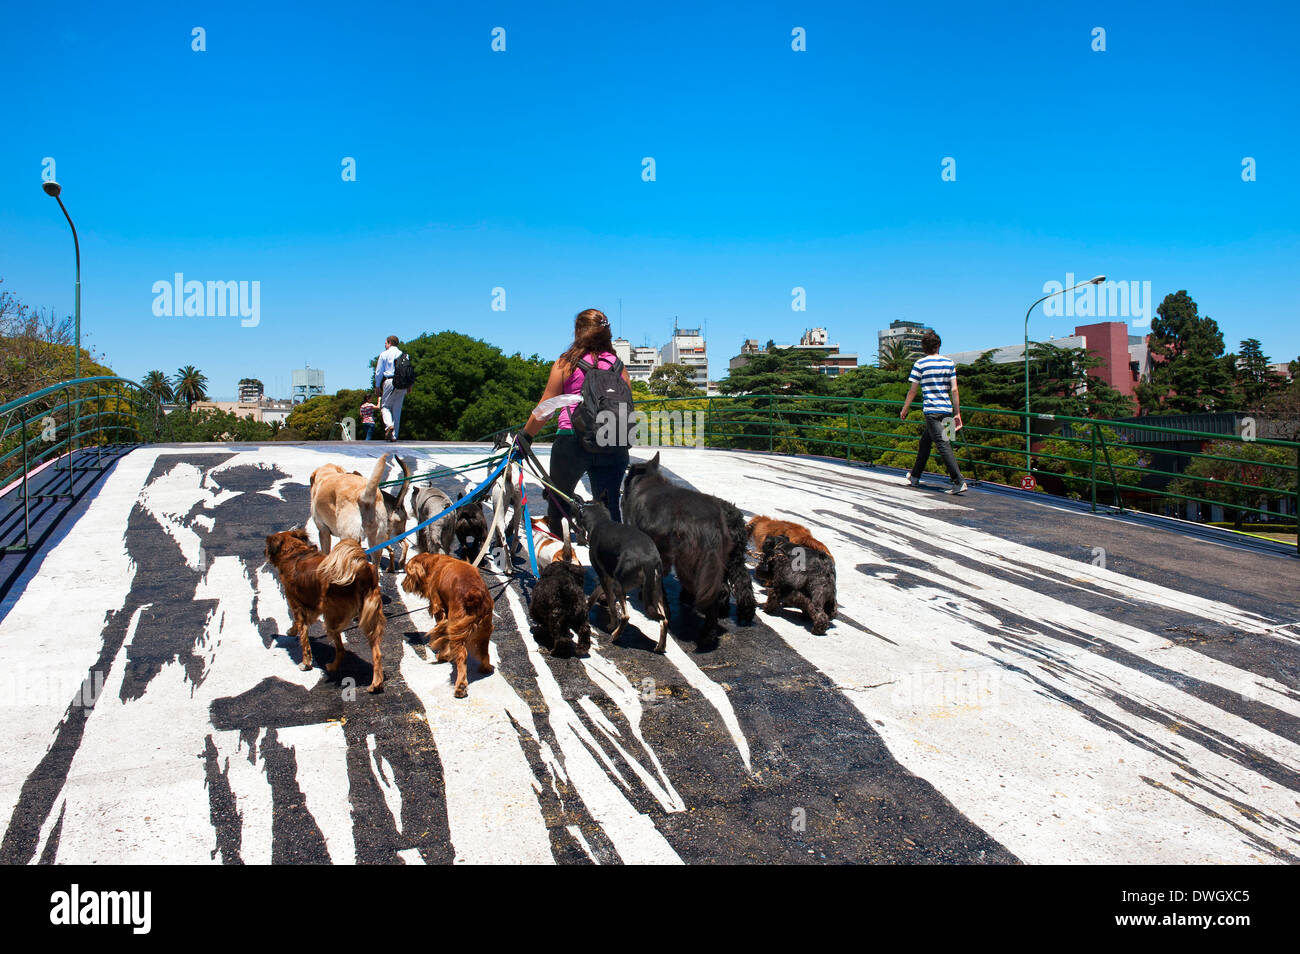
990 693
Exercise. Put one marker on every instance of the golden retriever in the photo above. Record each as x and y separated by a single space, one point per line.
339 587
460 603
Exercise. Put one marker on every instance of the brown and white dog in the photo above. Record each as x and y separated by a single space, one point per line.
460 603
346 505
760 528
549 548
340 587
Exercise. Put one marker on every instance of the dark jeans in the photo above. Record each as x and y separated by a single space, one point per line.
933 434
569 461
370 429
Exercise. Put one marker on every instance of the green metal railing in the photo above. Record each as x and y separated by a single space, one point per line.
1075 457
55 422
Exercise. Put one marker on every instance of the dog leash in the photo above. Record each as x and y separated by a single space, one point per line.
443 471
528 523
487 482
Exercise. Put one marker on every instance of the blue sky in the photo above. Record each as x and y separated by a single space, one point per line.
522 170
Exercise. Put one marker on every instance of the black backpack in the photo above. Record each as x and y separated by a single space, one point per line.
603 421
403 373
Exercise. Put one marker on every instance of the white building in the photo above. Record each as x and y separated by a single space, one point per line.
640 360
687 347
909 333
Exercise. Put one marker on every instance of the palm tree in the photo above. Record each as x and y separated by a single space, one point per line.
156 382
896 356
190 385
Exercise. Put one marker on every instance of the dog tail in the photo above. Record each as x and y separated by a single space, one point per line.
733 534
566 554
406 481
711 573
371 493
478 607
652 595
372 615
341 566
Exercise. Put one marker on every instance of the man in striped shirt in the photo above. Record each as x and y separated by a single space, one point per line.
936 377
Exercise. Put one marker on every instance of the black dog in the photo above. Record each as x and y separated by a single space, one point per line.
798 576
559 605
701 538
624 557
471 527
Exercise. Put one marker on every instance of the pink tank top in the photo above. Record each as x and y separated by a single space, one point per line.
573 383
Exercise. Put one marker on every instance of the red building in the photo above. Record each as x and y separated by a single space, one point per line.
1124 356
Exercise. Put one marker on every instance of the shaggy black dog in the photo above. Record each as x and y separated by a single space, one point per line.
624 557
559 606
701 538
798 576
471 527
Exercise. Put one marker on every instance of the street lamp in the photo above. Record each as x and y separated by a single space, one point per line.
52 188
1092 281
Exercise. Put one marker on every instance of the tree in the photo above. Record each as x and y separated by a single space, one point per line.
190 385
1061 382
780 370
211 424
896 356
37 350
1189 373
1281 409
157 383
317 419
464 389
1254 377
1269 474
673 380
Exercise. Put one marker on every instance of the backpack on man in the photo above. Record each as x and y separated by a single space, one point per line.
403 373
606 400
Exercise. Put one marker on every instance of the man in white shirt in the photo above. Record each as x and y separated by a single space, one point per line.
390 403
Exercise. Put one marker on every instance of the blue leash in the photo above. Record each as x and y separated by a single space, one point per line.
528 524
459 503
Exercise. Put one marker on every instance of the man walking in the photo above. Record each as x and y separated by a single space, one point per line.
390 403
936 377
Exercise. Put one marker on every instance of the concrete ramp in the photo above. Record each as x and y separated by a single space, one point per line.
1009 679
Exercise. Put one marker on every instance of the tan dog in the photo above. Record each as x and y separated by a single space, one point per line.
339 587
460 603
349 506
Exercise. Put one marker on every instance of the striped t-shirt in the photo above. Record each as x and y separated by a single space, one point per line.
935 374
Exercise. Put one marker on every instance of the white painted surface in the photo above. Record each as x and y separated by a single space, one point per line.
1029 769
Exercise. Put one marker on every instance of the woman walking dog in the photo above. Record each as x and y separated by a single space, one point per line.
577 450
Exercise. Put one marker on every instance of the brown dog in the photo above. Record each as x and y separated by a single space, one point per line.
460 603
339 587
760 528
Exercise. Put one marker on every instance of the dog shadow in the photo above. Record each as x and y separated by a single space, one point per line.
354 665
418 640
794 615
630 638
